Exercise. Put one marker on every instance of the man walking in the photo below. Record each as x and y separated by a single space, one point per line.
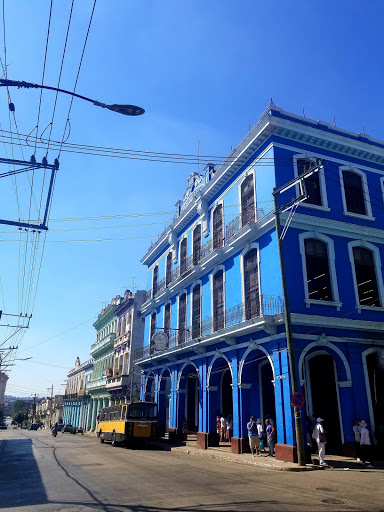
321 439
356 433
253 436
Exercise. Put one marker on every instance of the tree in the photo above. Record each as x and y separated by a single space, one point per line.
19 410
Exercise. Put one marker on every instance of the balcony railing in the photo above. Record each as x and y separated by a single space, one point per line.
70 395
248 216
97 383
266 306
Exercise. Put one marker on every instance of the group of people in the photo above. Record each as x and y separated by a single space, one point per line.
224 427
260 435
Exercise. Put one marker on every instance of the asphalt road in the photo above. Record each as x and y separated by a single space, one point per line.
39 473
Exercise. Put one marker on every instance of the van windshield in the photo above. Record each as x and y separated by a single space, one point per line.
138 410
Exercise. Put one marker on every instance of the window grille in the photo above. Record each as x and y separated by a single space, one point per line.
218 236
153 324
167 319
312 183
218 301
318 274
182 318
183 256
251 284
196 312
354 193
155 280
366 277
197 244
247 201
168 270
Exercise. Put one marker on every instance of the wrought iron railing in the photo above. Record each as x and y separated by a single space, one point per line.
248 216
266 305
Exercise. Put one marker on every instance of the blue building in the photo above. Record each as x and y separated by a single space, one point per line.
215 288
76 398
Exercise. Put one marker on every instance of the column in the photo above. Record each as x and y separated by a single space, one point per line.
90 413
94 414
235 398
142 387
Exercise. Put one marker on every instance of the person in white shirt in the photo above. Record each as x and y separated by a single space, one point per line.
223 428
321 440
356 433
365 445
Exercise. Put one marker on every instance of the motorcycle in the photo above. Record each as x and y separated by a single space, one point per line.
54 432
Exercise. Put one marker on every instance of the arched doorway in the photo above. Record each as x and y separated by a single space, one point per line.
220 391
323 396
188 397
375 370
150 388
257 389
164 400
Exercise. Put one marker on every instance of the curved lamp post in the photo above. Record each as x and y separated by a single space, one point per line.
127 110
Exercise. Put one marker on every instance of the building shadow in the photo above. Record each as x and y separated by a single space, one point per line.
20 479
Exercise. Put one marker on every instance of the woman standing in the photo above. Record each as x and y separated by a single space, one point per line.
270 437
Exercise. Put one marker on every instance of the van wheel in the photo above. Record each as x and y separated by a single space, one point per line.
114 442
99 434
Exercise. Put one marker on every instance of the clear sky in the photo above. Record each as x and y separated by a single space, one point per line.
203 71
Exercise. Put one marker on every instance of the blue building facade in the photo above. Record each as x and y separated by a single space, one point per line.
215 288
76 398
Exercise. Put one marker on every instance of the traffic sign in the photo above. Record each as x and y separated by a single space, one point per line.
298 399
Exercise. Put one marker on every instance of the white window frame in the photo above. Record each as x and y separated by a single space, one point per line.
379 275
323 189
364 184
247 173
331 265
178 307
213 273
196 283
185 235
243 254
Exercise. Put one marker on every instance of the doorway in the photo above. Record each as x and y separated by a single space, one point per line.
226 394
192 413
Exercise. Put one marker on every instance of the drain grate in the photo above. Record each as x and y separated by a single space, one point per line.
327 489
332 501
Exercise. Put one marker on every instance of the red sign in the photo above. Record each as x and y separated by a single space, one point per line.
298 399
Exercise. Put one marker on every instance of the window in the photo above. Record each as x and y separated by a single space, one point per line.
312 183
182 318
366 281
217 233
196 312
155 280
167 319
354 193
183 256
153 324
318 274
168 270
218 300
251 284
197 244
247 201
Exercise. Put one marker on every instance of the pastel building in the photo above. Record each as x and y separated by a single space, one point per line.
215 288
76 398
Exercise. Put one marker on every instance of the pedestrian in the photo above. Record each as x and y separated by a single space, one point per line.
365 445
185 428
223 428
261 434
271 422
356 433
321 439
270 431
229 427
253 436
218 422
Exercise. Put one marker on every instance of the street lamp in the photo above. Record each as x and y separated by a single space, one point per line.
127 110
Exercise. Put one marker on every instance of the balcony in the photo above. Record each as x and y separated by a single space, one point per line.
103 344
232 228
117 381
70 396
223 321
97 383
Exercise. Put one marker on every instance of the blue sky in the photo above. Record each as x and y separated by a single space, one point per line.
203 71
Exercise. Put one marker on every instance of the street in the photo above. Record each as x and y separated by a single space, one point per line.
77 474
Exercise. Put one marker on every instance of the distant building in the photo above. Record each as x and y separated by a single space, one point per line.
76 398
124 383
102 352
3 382
48 411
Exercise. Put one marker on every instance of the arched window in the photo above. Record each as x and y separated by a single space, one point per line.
366 280
247 200
218 300
197 244
167 319
182 318
354 193
168 270
318 274
251 284
312 183
217 233
155 280
153 324
183 255
196 312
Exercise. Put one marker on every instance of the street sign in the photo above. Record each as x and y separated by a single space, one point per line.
298 399
280 377
160 341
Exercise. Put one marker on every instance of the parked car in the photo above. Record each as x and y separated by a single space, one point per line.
60 427
24 426
33 426
68 428
3 426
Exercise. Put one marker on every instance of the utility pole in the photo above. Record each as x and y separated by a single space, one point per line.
287 310
34 407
